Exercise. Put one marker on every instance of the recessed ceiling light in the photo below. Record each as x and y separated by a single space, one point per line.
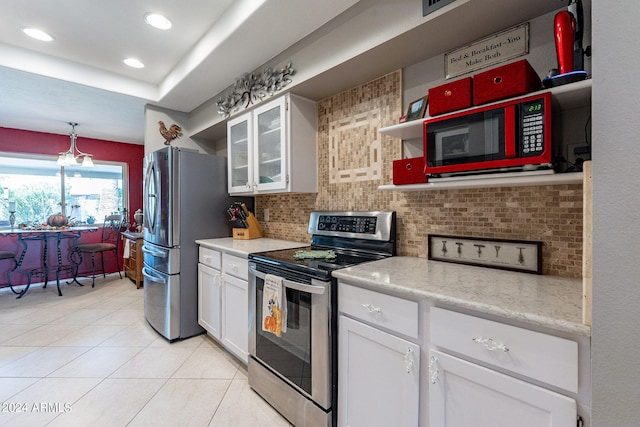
133 63
158 21
37 34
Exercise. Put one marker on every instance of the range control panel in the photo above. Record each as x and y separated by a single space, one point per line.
363 225
349 224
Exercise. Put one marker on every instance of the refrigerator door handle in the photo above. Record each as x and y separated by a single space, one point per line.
151 201
152 277
154 252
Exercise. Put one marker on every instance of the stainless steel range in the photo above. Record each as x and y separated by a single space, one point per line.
293 312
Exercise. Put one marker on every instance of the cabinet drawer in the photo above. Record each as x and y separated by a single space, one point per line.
235 266
209 257
536 355
393 313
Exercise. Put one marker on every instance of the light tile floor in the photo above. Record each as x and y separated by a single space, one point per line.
89 358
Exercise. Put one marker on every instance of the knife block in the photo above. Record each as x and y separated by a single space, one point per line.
253 231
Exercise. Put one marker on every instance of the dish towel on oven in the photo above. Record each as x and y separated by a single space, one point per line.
125 250
274 305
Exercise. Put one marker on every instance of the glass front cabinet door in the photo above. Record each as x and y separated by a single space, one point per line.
239 153
270 161
272 148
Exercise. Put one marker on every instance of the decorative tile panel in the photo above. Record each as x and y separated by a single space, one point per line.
354 148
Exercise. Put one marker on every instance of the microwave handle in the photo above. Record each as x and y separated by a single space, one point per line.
510 135
302 287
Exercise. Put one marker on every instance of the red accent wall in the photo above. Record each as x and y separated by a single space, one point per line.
23 141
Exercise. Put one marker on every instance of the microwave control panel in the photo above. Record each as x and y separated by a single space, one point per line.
532 128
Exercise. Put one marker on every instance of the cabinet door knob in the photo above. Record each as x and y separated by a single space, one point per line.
490 344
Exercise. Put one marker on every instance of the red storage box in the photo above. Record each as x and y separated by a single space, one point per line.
450 97
409 171
510 80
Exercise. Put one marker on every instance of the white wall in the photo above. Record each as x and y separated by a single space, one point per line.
616 209
153 140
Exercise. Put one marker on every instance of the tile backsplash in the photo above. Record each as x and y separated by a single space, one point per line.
353 160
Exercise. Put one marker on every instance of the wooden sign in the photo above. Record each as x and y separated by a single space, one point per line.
484 53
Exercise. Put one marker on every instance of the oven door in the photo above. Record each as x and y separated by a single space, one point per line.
301 356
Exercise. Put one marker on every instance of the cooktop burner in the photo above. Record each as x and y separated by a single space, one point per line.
317 267
355 237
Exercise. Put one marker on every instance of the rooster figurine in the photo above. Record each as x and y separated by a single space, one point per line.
170 134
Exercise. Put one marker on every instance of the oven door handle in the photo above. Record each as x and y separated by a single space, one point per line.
302 287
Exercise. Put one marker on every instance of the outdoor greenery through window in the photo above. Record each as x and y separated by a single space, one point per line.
36 187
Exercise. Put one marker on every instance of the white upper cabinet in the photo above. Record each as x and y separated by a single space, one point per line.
272 148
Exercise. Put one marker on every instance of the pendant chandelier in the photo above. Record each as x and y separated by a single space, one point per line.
69 157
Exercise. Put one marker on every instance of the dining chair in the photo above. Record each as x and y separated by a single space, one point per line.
109 242
9 256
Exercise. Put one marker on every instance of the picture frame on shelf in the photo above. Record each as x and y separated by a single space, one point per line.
417 108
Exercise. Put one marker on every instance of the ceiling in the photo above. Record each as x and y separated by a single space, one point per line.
80 77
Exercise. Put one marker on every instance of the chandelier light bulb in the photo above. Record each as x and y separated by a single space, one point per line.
87 162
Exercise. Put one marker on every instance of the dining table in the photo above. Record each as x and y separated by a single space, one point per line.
64 240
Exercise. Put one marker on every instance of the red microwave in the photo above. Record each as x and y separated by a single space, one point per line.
511 135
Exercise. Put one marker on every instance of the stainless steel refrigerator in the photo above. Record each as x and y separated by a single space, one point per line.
185 198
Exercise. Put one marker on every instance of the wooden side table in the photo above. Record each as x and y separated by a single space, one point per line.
133 264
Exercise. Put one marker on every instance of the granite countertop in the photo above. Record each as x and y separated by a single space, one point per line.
243 248
547 301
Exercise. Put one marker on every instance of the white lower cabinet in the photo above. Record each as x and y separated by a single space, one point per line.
235 321
462 393
223 300
378 372
209 297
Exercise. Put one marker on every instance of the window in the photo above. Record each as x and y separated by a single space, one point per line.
38 188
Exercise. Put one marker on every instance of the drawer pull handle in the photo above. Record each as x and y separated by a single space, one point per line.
373 309
408 360
434 372
490 344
